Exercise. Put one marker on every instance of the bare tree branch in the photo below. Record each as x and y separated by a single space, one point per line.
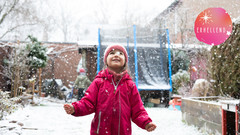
13 28
1 8
9 11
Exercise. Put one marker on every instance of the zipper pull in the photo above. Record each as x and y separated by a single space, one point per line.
115 88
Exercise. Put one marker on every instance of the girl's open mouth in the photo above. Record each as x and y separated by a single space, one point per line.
116 60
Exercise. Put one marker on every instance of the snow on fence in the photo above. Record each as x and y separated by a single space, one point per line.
206 115
212 115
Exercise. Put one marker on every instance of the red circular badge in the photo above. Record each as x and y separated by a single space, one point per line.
213 26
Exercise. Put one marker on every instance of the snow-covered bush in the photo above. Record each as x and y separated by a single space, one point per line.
180 79
180 60
21 64
184 91
202 88
15 68
37 53
7 104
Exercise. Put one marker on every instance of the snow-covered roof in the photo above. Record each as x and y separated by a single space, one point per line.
157 45
59 82
87 43
197 99
230 105
232 102
163 7
171 7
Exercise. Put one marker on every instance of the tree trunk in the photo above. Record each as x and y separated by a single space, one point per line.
40 82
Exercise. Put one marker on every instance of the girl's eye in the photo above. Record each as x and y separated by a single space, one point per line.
117 53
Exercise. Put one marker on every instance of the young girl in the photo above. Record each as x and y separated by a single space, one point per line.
113 97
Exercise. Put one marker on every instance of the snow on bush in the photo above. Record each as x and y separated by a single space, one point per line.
7 105
202 88
180 60
37 53
180 79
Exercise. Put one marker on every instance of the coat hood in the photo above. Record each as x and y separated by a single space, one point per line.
106 74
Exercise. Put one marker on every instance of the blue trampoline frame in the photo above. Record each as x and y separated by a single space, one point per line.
135 55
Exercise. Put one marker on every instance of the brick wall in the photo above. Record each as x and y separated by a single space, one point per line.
63 62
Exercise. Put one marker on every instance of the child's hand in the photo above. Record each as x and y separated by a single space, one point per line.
150 127
69 108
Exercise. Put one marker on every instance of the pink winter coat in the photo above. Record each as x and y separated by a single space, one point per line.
113 110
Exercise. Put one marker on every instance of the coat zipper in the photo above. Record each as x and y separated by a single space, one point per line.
99 120
115 86
119 122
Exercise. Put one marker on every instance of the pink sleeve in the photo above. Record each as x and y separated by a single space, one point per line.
138 112
87 104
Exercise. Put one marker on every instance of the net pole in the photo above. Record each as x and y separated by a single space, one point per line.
135 54
98 51
169 61
128 45
161 55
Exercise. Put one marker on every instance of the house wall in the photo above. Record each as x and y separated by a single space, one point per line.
65 66
91 64
63 62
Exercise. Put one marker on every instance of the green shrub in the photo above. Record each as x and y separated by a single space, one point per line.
225 67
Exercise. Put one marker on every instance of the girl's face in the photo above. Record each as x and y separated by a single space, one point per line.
116 60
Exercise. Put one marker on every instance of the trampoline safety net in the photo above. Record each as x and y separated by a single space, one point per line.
152 54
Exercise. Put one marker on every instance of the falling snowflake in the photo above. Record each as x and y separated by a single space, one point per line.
228 33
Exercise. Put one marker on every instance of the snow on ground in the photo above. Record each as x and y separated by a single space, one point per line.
49 118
